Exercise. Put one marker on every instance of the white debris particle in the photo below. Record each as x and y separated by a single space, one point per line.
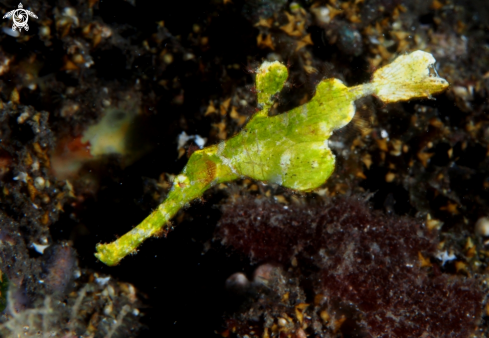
102 280
35 165
482 226
10 32
21 177
39 183
23 117
39 247
322 14
334 144
200 141
184 138
445 257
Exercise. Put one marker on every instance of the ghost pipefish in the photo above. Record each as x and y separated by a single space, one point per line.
290 149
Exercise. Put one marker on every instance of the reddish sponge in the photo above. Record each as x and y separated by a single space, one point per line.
357 257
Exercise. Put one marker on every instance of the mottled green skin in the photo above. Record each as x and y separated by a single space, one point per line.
290 149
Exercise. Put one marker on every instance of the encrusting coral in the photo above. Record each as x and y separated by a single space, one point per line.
290 149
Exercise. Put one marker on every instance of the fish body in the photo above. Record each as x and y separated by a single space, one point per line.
290 149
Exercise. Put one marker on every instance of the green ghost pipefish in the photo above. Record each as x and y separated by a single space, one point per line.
290 149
